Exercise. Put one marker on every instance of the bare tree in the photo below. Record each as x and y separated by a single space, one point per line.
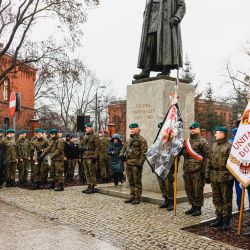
17 17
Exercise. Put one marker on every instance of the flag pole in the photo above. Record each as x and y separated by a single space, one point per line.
176 160
241 210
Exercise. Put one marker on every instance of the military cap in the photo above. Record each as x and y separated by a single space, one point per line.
10 131
221 129
1 131
38 130
134 125
53 131
22 131
195 125
88 125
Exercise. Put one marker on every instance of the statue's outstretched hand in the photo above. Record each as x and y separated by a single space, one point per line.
174 21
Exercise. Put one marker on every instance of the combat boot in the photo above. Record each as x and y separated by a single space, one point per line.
91 190
170 206
136 201
164 203
59 187
13 183
143 74
51 185
35 185
226 223
87 189
197 211
218 221
129 200
190 211
8 184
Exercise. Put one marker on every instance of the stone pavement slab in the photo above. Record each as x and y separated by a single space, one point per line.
109 219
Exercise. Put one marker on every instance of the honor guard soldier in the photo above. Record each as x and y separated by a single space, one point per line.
23 154
195 152
90 149
133 153
9 145
220 178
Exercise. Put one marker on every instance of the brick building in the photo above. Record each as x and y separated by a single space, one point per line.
117 118
21 81
117 115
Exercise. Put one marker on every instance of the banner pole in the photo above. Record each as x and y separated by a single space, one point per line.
241 210
175 184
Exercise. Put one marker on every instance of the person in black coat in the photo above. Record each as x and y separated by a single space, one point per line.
115 161
2 161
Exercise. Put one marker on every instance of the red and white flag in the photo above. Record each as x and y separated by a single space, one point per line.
239 159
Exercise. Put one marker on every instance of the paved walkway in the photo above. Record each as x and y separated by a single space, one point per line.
108 219
23 230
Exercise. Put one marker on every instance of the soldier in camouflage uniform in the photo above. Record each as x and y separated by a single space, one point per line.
220 178
56 149
9 146
2 160
38 145
23 154
133 153
195 152
90 149
104 157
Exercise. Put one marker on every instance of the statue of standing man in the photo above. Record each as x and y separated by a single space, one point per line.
161 45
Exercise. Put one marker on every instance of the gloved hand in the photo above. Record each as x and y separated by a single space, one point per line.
174 21
207 180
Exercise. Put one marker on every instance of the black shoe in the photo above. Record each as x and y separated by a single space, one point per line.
51 186
35 186
8 184
129 200
170 206
13 183
59 187
197 211
226 223
218 221
164 204
136 201
87 189
190 211
91 190
142 75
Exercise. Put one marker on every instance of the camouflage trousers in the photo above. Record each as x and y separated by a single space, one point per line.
45 172
23 168
10 171
71 163
222 198
194 186
167 186
105 168
56 172
37 175
90 171
134 175
32 171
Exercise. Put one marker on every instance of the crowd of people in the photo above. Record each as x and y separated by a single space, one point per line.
53 160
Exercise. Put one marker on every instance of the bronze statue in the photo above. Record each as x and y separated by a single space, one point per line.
161 46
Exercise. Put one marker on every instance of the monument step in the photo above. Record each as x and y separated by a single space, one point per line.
151 197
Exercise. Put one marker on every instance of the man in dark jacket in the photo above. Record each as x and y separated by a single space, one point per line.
161 45
2 161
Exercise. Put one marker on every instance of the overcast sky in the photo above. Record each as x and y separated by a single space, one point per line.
212 31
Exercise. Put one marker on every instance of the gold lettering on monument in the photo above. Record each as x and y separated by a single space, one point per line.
143 112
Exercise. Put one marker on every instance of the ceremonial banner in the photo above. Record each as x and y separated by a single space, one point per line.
168 143
239 159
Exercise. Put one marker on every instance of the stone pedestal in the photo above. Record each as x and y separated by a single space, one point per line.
147 104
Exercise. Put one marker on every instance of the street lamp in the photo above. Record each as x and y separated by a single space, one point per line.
96 107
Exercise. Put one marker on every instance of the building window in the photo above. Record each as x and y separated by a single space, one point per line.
6 90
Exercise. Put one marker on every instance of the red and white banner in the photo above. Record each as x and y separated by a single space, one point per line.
239 159
12 103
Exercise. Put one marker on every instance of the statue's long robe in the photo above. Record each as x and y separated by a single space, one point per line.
169 44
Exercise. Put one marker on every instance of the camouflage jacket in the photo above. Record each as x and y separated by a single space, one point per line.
9 147
134 150
216 170
90 146
56 149
38 145
23 149
200 146
103 146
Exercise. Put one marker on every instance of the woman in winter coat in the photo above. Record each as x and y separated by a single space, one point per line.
116 163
